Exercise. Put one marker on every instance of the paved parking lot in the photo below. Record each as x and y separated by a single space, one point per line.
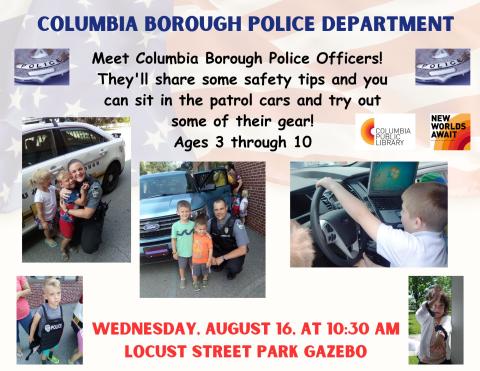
162 281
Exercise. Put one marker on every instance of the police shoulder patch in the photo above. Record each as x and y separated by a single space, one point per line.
95 189
95 192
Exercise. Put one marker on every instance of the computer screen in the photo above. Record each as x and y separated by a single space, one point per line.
391 178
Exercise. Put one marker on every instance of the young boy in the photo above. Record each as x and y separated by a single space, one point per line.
182 238
66 221
424 217
48 321
202 253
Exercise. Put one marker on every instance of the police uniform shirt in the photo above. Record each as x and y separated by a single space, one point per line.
94 194
239 231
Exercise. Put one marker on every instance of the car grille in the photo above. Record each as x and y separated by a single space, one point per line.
157 227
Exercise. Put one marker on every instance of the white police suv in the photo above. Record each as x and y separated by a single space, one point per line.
51 145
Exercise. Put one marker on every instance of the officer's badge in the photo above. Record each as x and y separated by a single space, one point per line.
37 66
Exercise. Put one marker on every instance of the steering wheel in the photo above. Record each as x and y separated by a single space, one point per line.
335 233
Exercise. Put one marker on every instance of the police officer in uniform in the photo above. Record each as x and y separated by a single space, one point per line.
230 240
88 220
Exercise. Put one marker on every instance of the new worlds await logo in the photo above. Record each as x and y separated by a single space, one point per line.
450 131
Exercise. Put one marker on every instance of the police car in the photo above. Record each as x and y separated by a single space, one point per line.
51 145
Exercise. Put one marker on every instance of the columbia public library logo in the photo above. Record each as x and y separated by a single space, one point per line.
385 131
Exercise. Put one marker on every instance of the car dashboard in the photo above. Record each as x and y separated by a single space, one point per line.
302 183
355 181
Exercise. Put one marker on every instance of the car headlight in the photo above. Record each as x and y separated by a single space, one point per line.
198 212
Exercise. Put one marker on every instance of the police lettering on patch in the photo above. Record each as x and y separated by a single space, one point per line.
49 328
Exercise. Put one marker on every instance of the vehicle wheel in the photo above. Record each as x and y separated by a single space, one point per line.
110 179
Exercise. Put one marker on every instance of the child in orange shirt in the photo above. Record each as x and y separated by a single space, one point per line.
201 253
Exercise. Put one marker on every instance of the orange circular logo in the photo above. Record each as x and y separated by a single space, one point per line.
367 131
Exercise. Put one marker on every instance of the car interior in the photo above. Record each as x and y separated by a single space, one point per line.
36 148
338 240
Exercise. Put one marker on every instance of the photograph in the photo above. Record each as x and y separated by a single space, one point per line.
42 66
442 66
202 229
76 189
435 320
368 214
49 320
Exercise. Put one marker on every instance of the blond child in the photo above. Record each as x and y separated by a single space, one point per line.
244 205
48 321
45 200
66 222
182 239
424 217
202 251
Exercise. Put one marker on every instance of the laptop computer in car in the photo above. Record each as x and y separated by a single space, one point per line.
386 183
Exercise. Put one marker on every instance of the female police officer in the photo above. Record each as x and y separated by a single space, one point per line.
88 220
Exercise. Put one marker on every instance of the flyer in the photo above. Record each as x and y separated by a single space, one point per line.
240 184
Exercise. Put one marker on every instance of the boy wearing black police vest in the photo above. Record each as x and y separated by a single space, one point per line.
48 321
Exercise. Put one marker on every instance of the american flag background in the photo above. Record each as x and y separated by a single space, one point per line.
333 129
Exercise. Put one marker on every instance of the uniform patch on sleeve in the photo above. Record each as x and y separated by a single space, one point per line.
95 191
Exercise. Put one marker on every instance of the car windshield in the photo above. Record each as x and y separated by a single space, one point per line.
166 185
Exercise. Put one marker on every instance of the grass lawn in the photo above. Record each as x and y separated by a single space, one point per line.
413 325
412 360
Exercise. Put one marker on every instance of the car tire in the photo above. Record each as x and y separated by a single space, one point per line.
111 177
